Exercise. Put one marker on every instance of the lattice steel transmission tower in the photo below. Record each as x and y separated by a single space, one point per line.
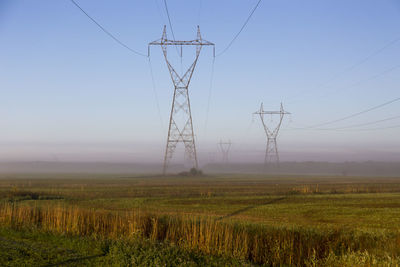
271 153
225 147
180 122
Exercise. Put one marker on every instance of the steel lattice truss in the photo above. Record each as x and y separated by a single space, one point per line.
225 148
271 153
180 123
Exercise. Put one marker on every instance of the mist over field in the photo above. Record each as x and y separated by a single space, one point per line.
251 151
369 168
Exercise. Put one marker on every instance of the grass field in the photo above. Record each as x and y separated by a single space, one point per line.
228 220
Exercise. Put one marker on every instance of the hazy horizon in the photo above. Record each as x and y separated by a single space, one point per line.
154 153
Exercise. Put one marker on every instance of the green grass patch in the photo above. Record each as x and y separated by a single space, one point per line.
28 247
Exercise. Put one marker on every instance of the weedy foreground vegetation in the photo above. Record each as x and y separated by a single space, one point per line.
227 220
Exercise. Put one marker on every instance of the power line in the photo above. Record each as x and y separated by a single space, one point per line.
246 131
377 75
155 93
106 31
367 123
354 114
172 29
350 127
169 19
241 29
380 128
209 96
368 57
363 129
371 78
354 66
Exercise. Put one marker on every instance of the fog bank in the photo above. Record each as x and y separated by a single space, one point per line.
368 168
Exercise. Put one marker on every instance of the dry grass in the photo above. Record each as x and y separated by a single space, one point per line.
259 244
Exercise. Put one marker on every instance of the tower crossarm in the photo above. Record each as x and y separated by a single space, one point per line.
179 43
271 112
164 41
178 80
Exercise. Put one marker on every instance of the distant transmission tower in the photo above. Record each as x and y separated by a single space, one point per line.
180 122
225 147
271 153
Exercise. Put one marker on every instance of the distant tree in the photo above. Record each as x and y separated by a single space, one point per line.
193 171
183 174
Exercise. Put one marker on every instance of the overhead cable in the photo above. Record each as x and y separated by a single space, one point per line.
172 29
241 29
349 127
106 31
367 58
352 67
155 93
355 114
169 19
371 78
209 96
380 128
364 124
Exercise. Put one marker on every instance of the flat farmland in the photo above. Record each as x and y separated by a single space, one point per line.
227 219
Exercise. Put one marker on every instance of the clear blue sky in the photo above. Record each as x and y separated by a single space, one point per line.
68 91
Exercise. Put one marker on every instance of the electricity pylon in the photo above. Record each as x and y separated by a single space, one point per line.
180 122
271 153
225 147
